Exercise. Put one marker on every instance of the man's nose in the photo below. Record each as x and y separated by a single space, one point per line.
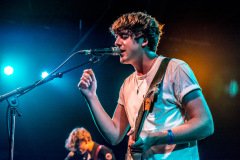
117 42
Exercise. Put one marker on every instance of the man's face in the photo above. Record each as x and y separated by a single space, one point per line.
129 45
83 146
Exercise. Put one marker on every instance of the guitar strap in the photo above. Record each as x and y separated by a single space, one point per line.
97 151
148 99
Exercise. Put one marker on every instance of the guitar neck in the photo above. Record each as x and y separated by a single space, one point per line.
141 117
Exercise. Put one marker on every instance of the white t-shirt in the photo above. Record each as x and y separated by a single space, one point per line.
166 114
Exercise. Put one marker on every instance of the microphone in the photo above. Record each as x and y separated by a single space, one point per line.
112 51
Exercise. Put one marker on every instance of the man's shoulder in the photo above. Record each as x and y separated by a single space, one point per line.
173 61
105 149
175 64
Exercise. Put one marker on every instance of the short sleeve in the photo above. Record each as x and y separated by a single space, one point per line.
184 81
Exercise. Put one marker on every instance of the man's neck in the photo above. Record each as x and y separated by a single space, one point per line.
145 63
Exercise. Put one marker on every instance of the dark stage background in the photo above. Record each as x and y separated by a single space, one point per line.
38 35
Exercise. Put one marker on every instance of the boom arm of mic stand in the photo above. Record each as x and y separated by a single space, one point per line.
20 91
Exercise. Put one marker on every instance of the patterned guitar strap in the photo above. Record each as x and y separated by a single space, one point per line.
147 104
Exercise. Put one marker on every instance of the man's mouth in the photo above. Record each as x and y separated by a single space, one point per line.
121 53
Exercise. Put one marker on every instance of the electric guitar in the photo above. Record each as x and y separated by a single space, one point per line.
136 153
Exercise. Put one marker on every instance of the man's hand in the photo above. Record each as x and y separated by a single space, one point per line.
88 83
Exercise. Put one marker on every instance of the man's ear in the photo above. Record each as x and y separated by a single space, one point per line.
145 42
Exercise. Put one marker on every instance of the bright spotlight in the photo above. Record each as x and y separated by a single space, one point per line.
44 74
8 70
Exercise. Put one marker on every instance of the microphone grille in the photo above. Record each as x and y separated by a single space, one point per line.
116 50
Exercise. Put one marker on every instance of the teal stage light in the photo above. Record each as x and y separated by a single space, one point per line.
8 70
233 88
44 74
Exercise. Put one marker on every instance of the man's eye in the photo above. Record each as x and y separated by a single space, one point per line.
124 36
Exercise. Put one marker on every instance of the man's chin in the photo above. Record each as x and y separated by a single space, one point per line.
123 61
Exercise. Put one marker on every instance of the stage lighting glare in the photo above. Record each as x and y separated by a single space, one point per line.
233 88
44 74
8 70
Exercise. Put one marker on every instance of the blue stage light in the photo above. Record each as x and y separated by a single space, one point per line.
8 70
44 74
233 88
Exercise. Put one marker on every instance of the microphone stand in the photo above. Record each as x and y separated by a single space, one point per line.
12 99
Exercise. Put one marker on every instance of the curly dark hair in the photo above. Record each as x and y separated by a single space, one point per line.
139 22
